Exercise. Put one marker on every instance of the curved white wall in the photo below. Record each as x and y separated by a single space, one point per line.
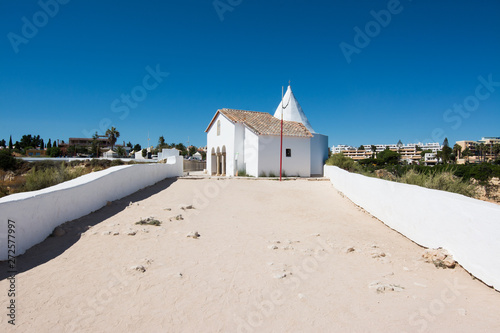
319 153
466 227
37 213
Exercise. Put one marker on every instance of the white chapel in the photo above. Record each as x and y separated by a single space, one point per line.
249 141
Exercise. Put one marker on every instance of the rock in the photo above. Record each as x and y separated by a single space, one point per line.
378 255
462 311
187 207
179 275
439 257
116 233
351 249
177 218
193 234
280 276
272 247
139 268
301 296
58 232
383 287
168 209
108 203
106 233
132 233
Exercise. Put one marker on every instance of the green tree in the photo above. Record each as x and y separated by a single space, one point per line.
3 143
496 150
192 150
112 135
457 149
361 147
54 152
374 151
7 160
49 144
120 151
137 147
54 144
389 157
10 143
94 145
482 151
161 142
42 145
466 153
446 151
144 152
129 144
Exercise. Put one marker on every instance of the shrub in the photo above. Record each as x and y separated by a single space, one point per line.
341 161
444 181
42 178
7 160
117 162
263 174
243 173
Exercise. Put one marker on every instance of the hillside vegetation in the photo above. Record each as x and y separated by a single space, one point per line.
19 176
473 180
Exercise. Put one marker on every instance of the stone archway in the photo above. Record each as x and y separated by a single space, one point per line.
217 163
213 162
223 160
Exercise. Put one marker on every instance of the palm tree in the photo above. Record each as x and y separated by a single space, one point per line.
496 149
457 149
466 153
482 150
112 135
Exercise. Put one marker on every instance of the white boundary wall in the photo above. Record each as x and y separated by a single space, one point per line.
468 228
37 213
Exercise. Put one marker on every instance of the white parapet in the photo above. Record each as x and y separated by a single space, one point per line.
35 214
468 228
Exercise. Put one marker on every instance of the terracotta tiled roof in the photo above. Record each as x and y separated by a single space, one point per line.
263 123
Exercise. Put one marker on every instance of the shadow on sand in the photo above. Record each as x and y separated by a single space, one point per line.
52 247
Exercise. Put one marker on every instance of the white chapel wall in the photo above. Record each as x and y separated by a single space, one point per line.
226 138
319 153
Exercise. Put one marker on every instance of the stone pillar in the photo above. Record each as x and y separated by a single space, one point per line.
218 164
224 164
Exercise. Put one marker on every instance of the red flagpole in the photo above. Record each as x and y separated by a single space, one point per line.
281 145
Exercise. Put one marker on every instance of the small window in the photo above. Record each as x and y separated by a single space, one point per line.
288 152
218 127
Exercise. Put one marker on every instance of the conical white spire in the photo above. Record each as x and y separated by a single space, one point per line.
292 110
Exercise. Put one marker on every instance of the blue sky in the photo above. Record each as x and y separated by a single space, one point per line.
68 76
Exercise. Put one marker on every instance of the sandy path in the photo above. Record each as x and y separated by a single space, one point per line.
272 257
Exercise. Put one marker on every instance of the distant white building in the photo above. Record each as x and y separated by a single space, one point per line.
240 140
197 156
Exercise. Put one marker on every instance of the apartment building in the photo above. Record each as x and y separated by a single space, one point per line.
474 153
410 153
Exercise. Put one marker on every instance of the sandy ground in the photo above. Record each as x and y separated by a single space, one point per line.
271 257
